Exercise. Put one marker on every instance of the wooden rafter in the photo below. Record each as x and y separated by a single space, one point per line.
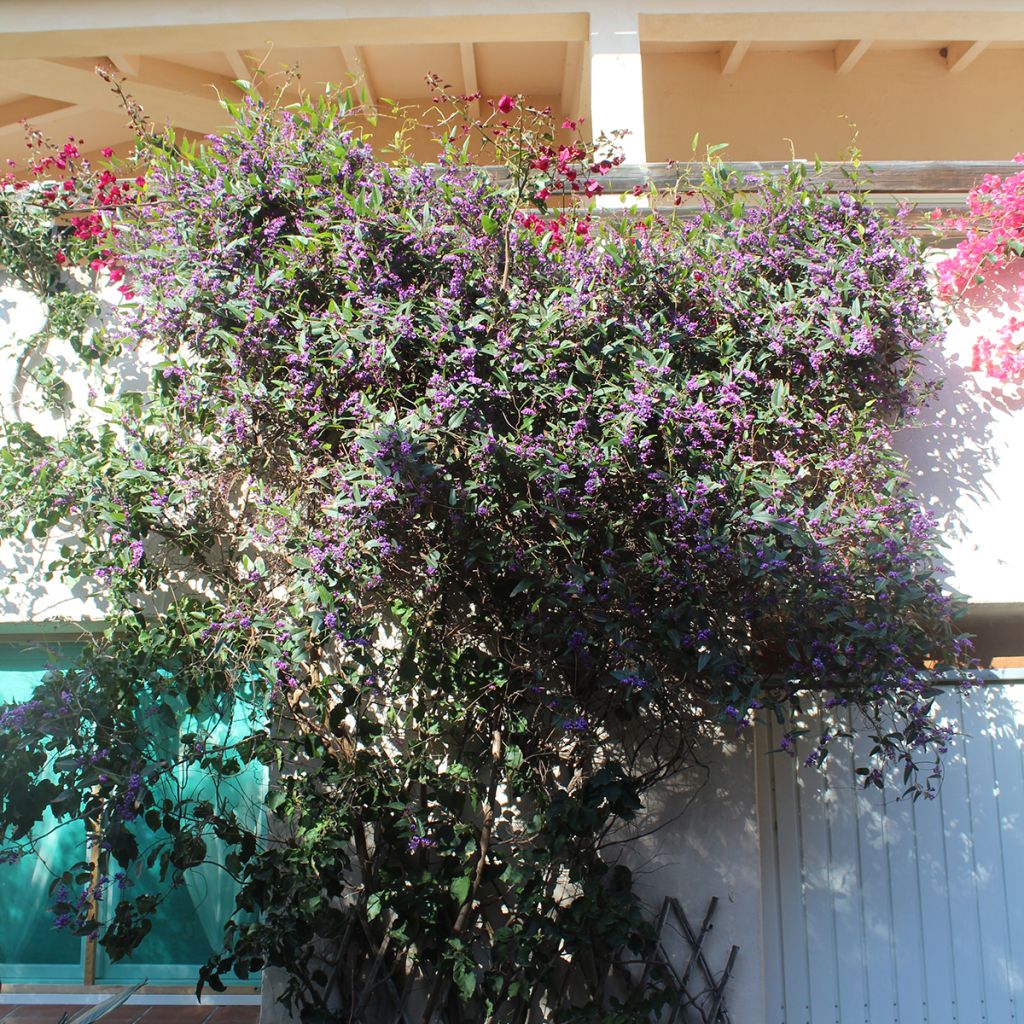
355 62
162 101
732 54
236 61
848 53
245 68
30 108
959 56
470 79
181 78
242 27
573 74
127 66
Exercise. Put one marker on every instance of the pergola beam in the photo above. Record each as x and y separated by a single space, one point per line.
355 62
180 78
572 80
127 66
177 28
236 61
36 110
812 24
470 80
55 81
960 56
29 108
731 55
848 54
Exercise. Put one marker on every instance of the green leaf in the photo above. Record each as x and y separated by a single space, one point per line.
460 888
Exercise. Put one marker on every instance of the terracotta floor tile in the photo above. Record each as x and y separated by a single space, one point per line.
235 1015
38 1014
176 1014
125 1015
190 1014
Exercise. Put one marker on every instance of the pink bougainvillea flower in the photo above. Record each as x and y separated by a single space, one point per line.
506 103
592 188
107 151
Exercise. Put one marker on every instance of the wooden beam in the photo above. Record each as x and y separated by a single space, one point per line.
961 55
731 55
572 80
467 54
55 81
181 78
246 68
31 108
585 86
127 66
355 62
848 53
901 177
809 22
82 30
40 119
238 66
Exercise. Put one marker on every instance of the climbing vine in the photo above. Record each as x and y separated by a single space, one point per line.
990 231
478 516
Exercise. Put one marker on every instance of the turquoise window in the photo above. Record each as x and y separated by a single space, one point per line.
187 927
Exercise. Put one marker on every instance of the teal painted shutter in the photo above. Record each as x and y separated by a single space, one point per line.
187 926
31 949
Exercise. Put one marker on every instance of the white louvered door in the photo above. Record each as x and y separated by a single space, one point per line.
882 911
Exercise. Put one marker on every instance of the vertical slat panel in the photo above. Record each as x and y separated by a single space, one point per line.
791 896
847 907
772 944
1007 741
815 798
962 892
876 903
908 933
902 912
983 713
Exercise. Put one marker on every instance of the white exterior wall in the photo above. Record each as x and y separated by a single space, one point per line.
26 598
966 452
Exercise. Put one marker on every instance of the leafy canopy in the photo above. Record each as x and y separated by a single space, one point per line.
485 518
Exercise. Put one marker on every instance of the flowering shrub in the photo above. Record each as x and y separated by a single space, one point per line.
490 514
993 229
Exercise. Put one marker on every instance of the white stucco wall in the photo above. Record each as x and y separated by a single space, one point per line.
26 597
700 839
966 452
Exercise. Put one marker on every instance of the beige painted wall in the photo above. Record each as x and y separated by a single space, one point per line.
906 104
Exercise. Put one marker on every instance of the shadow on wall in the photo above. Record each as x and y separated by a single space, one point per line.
961 438
698 839
25 593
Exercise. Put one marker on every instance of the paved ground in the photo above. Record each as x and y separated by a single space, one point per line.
37 1014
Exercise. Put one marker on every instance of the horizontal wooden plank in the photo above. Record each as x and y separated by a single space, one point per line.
905 177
